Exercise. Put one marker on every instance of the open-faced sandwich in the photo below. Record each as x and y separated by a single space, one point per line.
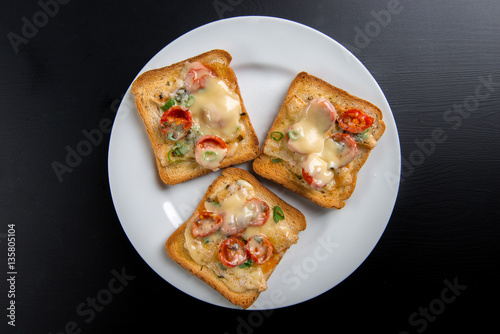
195 117
319 140
236 236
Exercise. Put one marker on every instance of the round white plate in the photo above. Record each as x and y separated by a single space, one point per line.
267 54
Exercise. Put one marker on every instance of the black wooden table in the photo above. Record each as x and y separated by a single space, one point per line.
65 66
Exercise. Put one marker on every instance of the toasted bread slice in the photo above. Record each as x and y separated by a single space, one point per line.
280 164
176 158
199 255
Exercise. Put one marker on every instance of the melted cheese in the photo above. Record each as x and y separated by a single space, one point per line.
305 137
332 153
217 109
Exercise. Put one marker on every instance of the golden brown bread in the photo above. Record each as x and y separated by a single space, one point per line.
278 163
154 88
293 222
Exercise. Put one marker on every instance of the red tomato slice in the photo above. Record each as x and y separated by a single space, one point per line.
355 121
197 76
232 252
210 150
350 149
259 210
309 179
206 223
259 248
176 122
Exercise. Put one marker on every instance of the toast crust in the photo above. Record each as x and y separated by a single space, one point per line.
176 249
152 90
276 164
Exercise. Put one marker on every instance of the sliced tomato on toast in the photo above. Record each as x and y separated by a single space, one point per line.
232 252
176 122
355 121
206 224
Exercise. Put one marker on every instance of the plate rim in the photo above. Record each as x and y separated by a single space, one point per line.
278 21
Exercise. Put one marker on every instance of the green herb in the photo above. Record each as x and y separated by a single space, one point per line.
277 136
278 214
276 160
206 240
209 156
258 238
213 202
182 149
174 152
170 103
170 136
248 263
362 136
293 134
177 151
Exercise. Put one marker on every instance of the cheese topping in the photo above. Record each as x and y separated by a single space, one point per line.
217 109
311 137
231 205
305 137
332 153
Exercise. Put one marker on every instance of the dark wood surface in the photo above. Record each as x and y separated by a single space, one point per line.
436 267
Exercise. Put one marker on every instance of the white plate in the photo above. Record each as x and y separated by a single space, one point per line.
267 54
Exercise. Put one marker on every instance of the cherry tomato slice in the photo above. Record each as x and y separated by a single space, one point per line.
259 248
176 122
197 76
206 223
232 252
259 211
349 150
355 121
210 150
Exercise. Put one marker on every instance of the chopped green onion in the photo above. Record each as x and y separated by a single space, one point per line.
170 136
170 103
213 202
293 134
277 136
248 263
190 101
182 149
276 160
209 156
278 214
